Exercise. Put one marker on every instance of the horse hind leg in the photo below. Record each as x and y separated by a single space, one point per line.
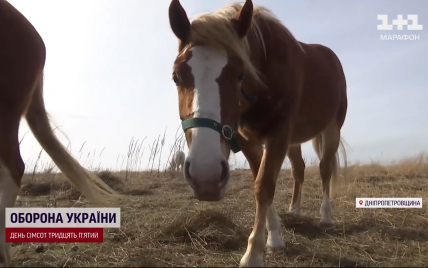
326 146
298 171
11 172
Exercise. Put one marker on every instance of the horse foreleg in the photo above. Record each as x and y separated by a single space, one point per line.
8 193
254 154
11 171
264 191
273 226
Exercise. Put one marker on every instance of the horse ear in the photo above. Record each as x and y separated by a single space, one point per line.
242 20
179 21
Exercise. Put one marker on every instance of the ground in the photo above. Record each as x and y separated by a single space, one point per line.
164 225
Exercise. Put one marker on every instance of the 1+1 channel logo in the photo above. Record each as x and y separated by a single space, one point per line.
409 24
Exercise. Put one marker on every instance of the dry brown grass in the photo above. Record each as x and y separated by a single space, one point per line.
165 225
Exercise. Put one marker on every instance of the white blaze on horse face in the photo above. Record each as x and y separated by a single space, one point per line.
205 152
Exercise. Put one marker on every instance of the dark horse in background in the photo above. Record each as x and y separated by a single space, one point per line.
22 60
244 81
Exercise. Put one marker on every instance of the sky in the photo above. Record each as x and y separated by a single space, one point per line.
109 63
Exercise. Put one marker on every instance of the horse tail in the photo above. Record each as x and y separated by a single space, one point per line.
89 184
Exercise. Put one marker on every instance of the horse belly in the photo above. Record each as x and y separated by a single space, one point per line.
308 126
304 132
319 105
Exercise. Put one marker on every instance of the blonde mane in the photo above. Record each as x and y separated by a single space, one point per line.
216 30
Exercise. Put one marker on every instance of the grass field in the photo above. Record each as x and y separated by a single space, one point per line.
164 225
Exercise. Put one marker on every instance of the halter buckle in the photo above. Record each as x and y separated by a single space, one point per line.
227 132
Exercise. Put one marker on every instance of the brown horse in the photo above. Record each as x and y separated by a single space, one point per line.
22 60
244 81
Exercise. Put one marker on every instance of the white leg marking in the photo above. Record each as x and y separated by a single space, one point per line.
253 256
8 193
295 208
326 210
273 226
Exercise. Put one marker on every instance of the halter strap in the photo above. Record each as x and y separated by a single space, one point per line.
226 131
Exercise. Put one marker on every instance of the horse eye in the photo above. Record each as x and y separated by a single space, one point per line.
176 79
240 77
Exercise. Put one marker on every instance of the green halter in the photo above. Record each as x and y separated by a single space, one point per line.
226 131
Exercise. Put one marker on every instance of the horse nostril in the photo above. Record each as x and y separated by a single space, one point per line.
224 173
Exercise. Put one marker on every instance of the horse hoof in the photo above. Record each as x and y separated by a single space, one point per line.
274 243
251 260
294 211
327 224
271 250
5 255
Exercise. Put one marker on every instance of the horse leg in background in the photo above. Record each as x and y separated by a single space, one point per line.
11 172
183 157
326 146
298 172
172 166
273 224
